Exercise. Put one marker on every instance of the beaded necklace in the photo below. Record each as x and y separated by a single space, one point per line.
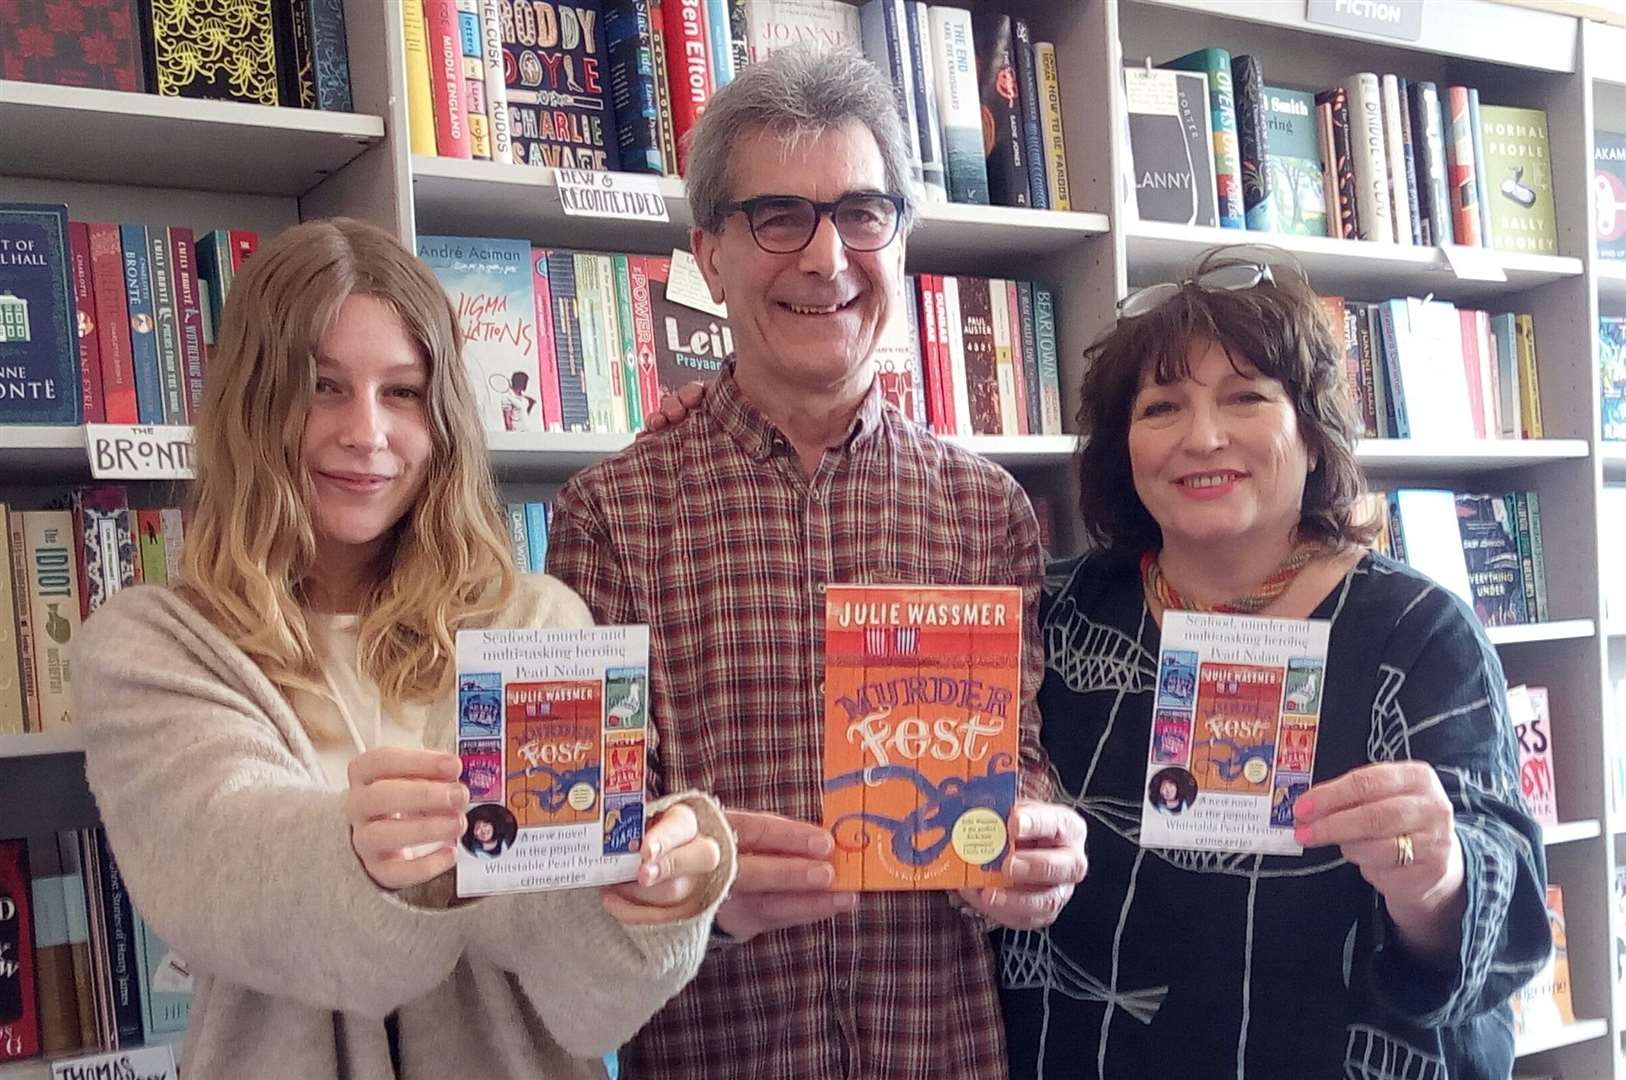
1157 583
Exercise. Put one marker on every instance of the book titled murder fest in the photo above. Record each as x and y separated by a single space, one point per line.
922 710
551 730
1234 728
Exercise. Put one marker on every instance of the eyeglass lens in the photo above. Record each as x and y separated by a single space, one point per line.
864 223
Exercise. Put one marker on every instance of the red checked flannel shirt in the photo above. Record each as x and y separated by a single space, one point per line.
713 536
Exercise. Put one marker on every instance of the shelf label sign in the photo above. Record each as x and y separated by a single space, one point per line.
1402 19
137 1063
139 452
1473 264
686 286
623 196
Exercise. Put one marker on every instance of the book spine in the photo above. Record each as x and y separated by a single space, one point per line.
1472 369
119 917
1487 235
53 962
933 170
719 43
1342 166
1027 81
1373 205
926 313
631 47
628 340
1005 369
1044 332
567 342
13 703
1394 150
419 84
1248 78
143 325
954 63
446 79
1529 383
739 18
1329 168
954 331
1518 503
663 91
547 358
106 542
536 535
330 55
643 334
688 69
27 660
1460 162
1439 172
84 301
1013 324
518 538
1538 556
1409 149
609 336
1055 143
154 566
885 39
19 1022
168 326
1002 114
1388 314
188 305
174 529
496 83
1029 368
112 318
53 593
471 46
1216 64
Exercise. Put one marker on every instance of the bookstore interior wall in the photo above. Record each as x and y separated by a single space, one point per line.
205 165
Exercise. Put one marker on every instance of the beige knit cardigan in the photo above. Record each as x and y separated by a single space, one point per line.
236 850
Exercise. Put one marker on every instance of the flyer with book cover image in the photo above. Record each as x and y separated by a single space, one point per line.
1234 729
551 727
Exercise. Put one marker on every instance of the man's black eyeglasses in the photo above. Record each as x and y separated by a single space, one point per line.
785 224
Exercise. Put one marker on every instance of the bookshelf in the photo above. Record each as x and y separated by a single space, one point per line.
115 156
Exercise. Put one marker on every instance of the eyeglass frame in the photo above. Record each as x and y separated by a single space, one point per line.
1262 273
821 210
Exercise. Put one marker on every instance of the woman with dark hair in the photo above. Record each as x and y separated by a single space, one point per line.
1217 473
491 828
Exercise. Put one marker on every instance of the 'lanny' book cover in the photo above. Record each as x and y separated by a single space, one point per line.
921 730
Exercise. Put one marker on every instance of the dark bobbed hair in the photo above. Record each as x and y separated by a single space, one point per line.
503 823
1185 785
1283 330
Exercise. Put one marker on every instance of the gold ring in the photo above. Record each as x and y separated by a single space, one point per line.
1405 854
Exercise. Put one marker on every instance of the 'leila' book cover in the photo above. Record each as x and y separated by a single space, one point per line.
690 345
39 335
1233 731
922 707
551 728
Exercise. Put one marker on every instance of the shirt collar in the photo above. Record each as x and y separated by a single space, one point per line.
761 438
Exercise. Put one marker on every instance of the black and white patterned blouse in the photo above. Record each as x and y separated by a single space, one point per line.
1188 965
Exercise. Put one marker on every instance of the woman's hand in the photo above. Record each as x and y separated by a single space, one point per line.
1393 821
676 862
405 809
675 407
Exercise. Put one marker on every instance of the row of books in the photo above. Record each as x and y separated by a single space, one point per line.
1485 548
61 565
108 323
528 535
82 972
560 340
1375 158
265 52
618 84
1467 374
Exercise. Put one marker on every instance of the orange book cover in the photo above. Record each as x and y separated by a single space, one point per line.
922 707
554 748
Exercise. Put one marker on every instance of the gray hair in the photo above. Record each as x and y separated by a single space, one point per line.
796 93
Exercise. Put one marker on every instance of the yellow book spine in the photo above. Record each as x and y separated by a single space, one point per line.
53 588
12 711
1529 379
420 104
1055 146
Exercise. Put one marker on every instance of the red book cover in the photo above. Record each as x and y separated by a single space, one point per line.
116 361
547 359
446 79
84 302
183 269
1460 169
91 43
945 357
19 1021
927 313
243 244
688 68
643 333
921 731
1469 323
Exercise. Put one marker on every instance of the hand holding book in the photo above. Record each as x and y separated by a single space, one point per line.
1395 823
1049 860
675 864
405 809
784 877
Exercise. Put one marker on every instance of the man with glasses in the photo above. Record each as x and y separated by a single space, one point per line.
723 533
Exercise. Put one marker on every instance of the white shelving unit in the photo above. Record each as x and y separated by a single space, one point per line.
129 157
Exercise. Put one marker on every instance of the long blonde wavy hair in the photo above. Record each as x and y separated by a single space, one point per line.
251 541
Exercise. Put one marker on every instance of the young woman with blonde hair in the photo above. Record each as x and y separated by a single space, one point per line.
269 738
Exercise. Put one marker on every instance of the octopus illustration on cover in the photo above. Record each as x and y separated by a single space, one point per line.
554 751
922 703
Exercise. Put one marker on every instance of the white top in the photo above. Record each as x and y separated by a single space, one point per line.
359 722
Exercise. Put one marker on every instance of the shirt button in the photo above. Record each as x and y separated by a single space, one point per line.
821 687
819 588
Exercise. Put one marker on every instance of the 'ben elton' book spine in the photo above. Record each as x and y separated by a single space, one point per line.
559 88
688 68
39 339
184 40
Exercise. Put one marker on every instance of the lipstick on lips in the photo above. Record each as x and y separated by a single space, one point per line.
1211 484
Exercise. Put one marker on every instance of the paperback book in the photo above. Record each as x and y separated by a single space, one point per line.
551 729
1234 728
922 707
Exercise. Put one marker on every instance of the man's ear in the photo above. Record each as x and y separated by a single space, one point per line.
707 248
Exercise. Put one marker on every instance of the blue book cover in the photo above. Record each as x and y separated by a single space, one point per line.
536 528
629 37
489 284
149 377
39 339
518 538
166 985
567 340
719 31
1027 80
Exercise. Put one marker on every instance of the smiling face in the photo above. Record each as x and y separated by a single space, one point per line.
485 831
366 445
1169 791
1217 456
808 320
